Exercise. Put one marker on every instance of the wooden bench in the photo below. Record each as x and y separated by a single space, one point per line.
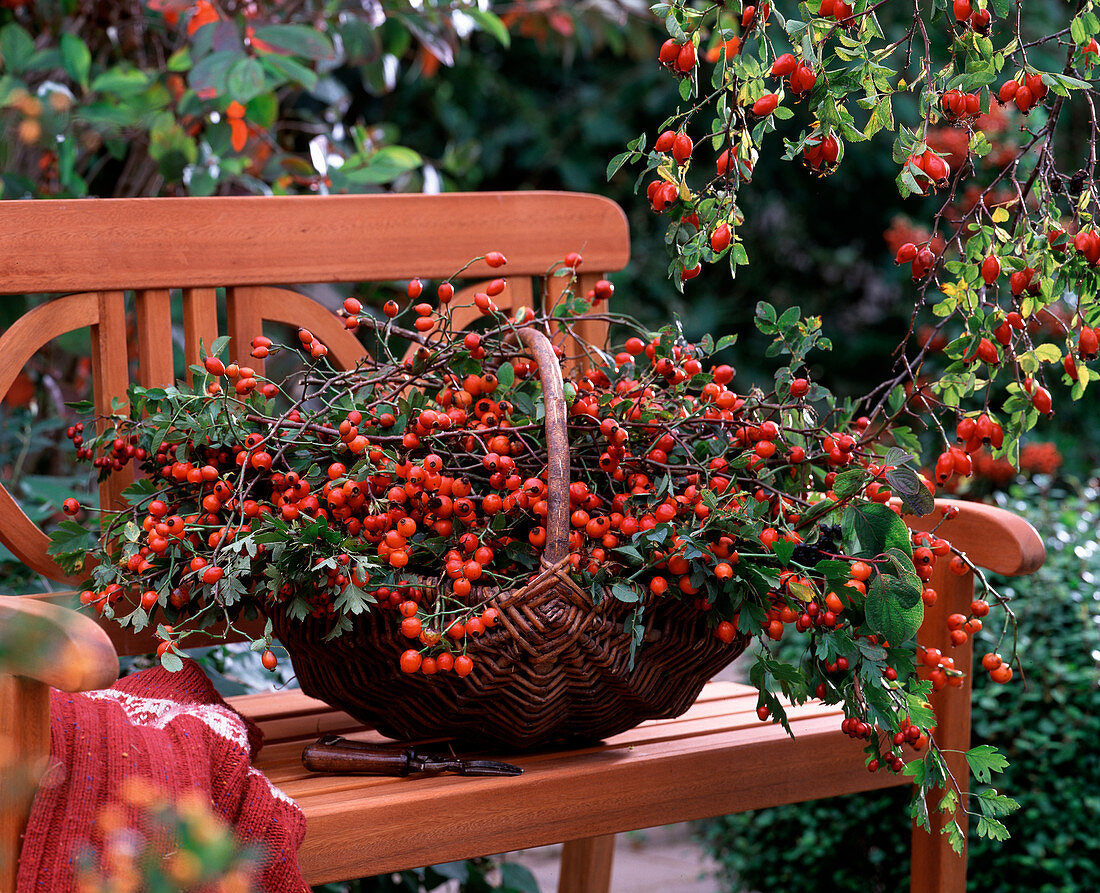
118 268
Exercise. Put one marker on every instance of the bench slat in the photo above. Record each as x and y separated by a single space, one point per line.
60 246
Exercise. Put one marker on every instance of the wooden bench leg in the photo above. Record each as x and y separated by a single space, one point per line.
586 865
24 753
936 867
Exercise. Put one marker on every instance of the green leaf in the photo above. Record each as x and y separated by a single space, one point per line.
171 662
1077 31
991 803
219 346
886 610
121 82
617 162
300 40
630 553
383 166
991 828
918 771
849 482
506 376
955 837
211 74
353 600
180 60
69 543
491 24
624 593
878 528
783 550
16 48
984 760
76 57
894 456
918 806
245 80
284 68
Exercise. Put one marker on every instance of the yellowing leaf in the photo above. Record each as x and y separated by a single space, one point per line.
1000 215
1048 353
802 590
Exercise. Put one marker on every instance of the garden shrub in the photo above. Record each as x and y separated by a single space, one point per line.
1047 726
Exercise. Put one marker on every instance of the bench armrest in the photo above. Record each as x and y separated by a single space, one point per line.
993 538
54 645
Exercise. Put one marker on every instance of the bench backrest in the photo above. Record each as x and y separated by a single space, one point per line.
117 266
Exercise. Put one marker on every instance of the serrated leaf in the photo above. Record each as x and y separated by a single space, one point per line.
803 591
984 760
895 456
783 550
991 828
992 803
955 837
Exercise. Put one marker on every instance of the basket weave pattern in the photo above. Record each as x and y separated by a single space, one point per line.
556 667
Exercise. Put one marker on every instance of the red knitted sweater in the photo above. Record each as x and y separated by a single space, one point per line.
174 733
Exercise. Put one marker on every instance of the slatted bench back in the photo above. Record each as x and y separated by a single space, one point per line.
90 255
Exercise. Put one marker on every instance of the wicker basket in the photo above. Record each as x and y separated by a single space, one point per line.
556 667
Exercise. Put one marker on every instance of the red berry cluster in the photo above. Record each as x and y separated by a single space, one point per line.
972 432
921 259
1026 90
800 77
821 152
929 170
678 57
960 106
976 19
836 9
679 145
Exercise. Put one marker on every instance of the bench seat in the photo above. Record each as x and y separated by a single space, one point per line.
716 758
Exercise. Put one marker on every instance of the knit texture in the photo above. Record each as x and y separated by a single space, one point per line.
174 733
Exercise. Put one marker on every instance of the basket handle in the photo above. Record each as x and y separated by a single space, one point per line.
557 444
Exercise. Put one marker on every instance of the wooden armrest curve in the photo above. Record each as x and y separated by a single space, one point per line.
63 649
993 538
